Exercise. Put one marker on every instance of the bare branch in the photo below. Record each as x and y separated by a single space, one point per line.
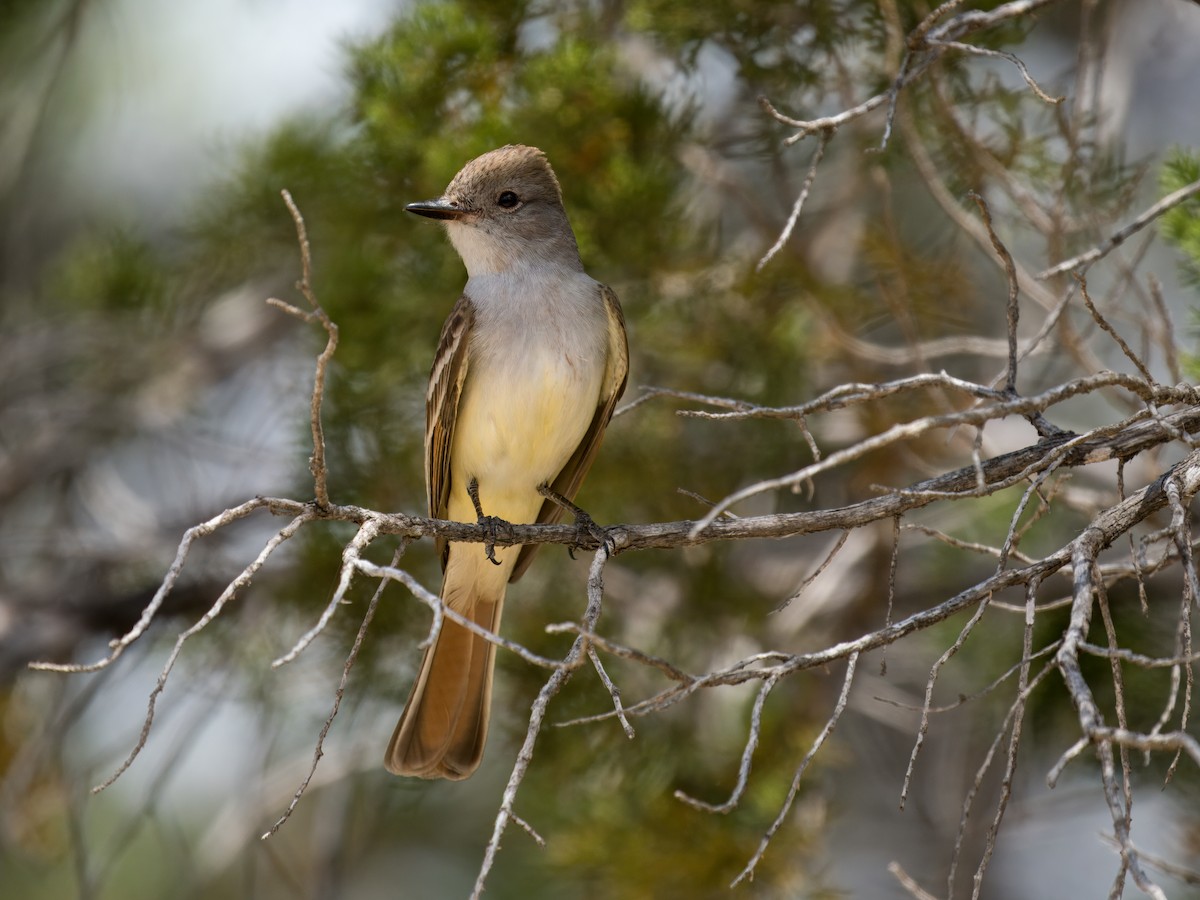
120 645
839 708
1119 237
228 594
1013 308
1000 54
304 285
319 751
975 416
1083 559
752 738
931 42
826 134
367 532
561 674
909 883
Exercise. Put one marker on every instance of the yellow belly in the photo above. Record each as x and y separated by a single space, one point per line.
517 426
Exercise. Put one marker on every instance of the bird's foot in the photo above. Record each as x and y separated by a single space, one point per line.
585 525
491 525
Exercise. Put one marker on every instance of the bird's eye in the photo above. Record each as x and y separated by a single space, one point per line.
508 200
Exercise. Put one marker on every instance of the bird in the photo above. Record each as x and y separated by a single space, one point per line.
529 367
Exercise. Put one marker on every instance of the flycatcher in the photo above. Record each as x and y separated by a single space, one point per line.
529 367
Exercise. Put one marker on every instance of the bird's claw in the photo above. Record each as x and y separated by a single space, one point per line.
585 525
491 525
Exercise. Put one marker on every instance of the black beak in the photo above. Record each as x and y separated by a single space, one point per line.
437 209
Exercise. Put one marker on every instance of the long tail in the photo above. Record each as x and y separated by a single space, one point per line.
444 726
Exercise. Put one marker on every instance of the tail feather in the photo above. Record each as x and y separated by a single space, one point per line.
444 726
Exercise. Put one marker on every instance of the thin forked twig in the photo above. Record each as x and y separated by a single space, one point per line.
367 533
351 657
537 714
121 644
228 594
1110 331
752 739
785 808
316 463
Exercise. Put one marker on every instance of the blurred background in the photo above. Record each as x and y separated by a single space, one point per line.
145 386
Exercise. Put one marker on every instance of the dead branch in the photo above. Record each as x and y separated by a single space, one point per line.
1119 237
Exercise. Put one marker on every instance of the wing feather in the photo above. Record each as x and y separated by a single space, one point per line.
441 408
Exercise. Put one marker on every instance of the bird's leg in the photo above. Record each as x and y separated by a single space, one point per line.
584 523
490 524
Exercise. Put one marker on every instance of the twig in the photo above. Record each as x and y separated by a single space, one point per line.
228 594
785 808
752 738
826 134
367 532
893 568
1013 309
1001 54
537 714
316 463
704 501
1166 330
909 883
1109 330
964 699
121 644
1119 237
960 544
441 610
1016 715
841 397
351 657
1139 659
613 691
816 573
1186 875
923 728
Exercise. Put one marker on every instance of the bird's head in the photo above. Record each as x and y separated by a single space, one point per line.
504 210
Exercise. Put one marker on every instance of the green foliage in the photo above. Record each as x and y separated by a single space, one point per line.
776 47
110 272
1181 225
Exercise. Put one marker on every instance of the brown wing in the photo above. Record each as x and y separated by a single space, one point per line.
616 373
441 408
